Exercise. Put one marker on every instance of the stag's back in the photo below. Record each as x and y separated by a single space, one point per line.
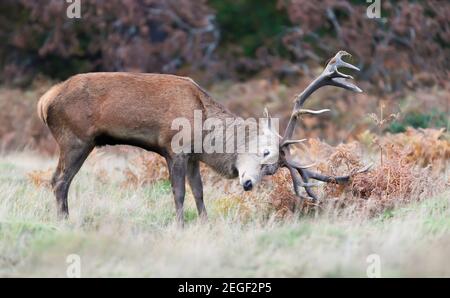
123 107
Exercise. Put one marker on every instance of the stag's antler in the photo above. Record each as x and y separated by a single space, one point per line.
330 76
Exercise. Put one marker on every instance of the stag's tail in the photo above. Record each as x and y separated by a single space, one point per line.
46 100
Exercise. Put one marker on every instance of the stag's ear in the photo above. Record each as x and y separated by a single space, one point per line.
270 126
269 119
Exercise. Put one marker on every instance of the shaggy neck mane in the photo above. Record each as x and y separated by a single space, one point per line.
225 163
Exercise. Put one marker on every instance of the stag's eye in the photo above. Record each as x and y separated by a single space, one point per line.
266 152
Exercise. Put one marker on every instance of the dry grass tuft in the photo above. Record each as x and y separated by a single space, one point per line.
243 208
40 178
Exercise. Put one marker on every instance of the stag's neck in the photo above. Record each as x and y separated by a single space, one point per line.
222 163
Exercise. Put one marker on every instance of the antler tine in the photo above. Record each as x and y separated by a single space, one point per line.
299 178
299 181
336 77
308 189
330 76
290 142
296 180
311 112
296 165
266 112
365 169
337 179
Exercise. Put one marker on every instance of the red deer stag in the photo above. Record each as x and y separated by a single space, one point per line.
96 109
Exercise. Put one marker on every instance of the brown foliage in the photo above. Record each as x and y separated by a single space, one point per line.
422 147
148 168
411 38
282 199
411 170
20 127
406 47
395 179
41 178
148 36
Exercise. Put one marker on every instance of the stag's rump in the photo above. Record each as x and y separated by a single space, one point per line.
120 108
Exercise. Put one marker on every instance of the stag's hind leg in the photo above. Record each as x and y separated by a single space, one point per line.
71 158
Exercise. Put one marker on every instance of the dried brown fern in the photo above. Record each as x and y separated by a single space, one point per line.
146 168
40 178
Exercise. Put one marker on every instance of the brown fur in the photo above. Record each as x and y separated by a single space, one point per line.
45 101
96 109
123 107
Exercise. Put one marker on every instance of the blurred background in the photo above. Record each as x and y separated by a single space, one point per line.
247 53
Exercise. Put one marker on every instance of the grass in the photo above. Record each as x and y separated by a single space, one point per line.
130 231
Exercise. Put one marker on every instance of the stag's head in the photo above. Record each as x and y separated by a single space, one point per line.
270 158
260 154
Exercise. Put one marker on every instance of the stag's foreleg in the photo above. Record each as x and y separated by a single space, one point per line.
195 182
177 171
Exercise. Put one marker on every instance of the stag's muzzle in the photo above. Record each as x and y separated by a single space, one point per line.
248 185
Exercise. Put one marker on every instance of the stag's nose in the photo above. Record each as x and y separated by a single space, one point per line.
248 185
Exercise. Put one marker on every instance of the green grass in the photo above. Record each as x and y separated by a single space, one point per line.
121 232
242 24
433 118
